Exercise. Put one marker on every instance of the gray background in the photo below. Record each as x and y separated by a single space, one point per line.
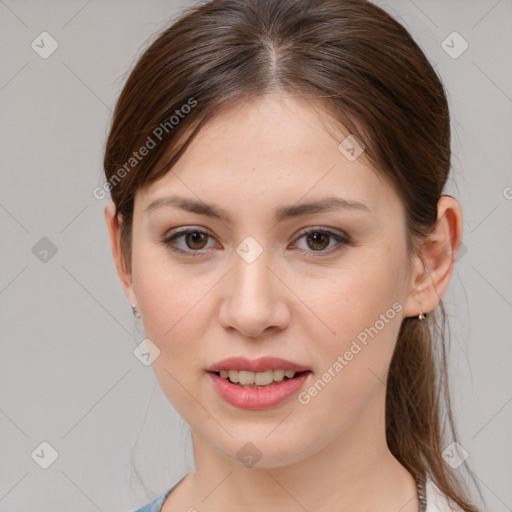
69 376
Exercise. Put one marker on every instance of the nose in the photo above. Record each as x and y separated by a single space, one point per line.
255 298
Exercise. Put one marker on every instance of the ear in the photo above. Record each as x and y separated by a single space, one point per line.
437 255
114 230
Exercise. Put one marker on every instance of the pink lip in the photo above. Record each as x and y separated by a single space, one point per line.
254 398
257 365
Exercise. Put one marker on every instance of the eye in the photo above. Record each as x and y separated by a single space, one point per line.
318 240
195 240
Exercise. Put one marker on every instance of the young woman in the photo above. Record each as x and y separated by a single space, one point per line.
278 222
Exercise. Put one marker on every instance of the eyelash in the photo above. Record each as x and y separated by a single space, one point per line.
167 241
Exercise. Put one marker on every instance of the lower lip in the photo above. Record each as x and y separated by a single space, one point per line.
254 398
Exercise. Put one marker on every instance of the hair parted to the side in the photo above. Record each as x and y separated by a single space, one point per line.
364 70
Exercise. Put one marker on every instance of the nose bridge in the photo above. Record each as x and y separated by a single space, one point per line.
251 276
252 302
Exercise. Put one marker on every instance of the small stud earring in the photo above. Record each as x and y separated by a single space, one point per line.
134 311
422 315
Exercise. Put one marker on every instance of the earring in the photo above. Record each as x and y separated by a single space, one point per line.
422 315
134 311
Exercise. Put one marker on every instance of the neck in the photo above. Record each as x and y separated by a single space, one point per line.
355 471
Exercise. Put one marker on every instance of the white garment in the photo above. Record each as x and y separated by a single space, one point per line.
437 501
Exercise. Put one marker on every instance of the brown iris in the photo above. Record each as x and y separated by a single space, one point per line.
317 237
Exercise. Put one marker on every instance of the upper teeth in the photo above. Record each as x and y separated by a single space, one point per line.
259 378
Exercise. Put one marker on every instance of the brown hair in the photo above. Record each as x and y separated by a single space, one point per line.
365 70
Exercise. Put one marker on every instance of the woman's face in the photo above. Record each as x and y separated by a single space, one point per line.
257 285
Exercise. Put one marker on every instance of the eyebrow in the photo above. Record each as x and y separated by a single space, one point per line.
282 213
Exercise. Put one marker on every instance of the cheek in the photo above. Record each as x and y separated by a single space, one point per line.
174 311
168 296
355 296
362 312
352 365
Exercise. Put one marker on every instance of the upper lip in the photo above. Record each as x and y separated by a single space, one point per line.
256 365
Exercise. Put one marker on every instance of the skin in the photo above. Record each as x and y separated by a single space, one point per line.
331 453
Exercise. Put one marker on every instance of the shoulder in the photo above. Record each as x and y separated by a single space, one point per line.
437 501
154 505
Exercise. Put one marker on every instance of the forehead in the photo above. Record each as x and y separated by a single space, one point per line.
268 151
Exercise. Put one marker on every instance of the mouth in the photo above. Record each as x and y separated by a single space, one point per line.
254 395
261 383
259 380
